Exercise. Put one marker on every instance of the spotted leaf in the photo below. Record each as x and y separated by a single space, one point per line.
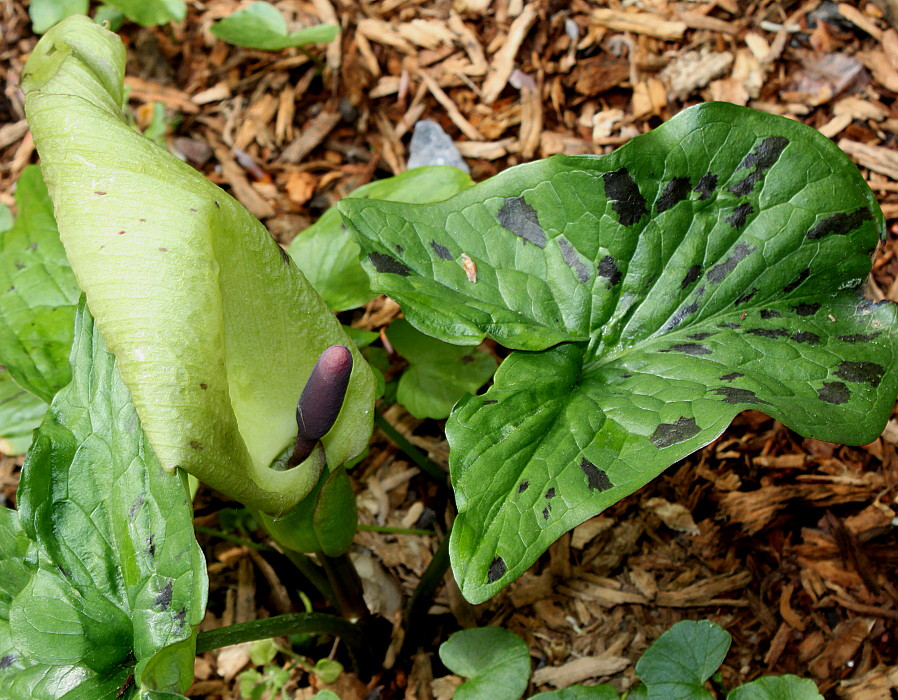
710 266
124 590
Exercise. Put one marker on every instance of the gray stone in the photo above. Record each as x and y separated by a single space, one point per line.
432 146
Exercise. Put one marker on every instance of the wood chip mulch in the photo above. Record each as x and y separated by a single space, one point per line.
791 544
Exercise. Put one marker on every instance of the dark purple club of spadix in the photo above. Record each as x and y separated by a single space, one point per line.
322 399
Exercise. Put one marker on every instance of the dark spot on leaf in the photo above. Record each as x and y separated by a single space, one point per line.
689 349
523 486
730 325
134 506
859 337
740 215
733 395
761 159
747 297
699 336
497 570
400 249
193 210
570 255
522 220
869 372
550 493
793 285
163 598
806 337
204 386
705 186
676 191
719 272
628 202
770 313
121 233
163 250
840 224
691 275
441 251
489 402
731 376
681 314
608 270
626 375
668 434
100 193
179 618
467 359
195 445
217 205
151 546
596 479
805 309
769 332
7 661
387 264
834 392
546 513
19 265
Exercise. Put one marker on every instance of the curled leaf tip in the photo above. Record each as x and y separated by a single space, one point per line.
322 398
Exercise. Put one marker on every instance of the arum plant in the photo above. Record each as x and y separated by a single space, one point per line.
214 329
713 265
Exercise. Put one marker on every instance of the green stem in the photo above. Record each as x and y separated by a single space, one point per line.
394 530
232 538
313 573
310 623
422 597
346 584
418 457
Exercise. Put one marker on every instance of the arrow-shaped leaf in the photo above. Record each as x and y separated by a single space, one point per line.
707 267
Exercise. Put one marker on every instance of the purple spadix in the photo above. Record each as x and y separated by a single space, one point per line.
322 399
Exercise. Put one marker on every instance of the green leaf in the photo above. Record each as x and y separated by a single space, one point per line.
148 13
678 663
328 670
328 256
112 16
708 267
580 692
325 695
261 26
494 660
38 293
20 414
777 688
215 330
6 218
439 374
104 577
47 13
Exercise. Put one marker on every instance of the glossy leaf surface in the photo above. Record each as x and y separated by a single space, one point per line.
707 267
677 664
328 256
580 692
261 26
493 659
214 328
439 374
124 588
38 293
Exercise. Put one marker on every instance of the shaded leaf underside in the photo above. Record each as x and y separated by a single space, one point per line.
705 268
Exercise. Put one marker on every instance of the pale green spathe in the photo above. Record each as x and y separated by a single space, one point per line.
214 330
